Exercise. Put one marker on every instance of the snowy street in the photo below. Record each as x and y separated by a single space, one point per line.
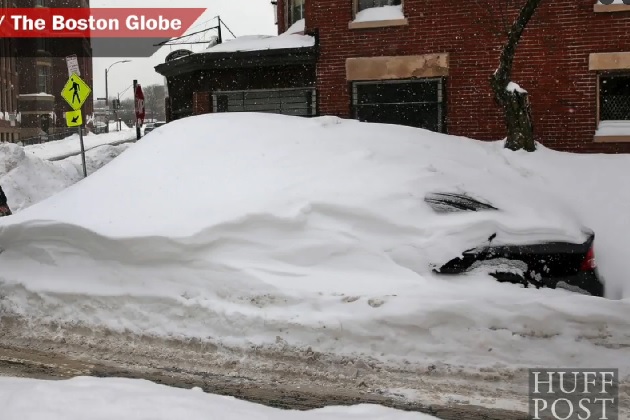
71 146
273 380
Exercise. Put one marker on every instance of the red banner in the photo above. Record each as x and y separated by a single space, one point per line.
139 105
97 23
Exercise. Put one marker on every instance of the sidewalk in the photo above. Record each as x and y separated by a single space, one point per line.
71 146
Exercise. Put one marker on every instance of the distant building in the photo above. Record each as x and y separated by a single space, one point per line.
9 124
43 72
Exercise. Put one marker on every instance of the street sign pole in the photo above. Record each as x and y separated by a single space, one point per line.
135 85
76 92
82 147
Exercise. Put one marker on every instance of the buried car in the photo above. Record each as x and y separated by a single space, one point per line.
541 263
152 126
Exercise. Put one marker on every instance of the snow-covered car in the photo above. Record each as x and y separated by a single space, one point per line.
539 263
152 126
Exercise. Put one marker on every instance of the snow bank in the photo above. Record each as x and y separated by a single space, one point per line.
84 398
251 227
380 13
71 145
27 179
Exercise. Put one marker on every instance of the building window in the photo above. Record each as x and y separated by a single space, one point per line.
40 3
274 3
296 11
299 101
42 44
614 97
416 103
368 4
613 107
43 79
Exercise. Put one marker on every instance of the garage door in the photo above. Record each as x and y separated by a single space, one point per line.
300 102
416 103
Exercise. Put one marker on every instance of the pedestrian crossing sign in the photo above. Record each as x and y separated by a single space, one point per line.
75 92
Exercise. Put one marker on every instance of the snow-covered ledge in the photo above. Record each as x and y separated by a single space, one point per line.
613 131
379 17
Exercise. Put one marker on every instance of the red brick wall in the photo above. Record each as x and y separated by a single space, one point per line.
551 62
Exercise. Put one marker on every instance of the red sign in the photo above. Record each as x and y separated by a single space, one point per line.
139 105
81 22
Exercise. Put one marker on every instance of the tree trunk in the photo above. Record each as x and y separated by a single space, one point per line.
515 102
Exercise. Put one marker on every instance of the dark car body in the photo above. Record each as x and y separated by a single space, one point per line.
545 264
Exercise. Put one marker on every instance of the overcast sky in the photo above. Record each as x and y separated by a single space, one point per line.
243 17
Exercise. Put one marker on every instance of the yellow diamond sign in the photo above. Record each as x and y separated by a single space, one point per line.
74 118
76 92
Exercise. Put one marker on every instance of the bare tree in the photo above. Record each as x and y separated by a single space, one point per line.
154 101
513 99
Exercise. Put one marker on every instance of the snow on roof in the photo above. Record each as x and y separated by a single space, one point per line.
41 94
297 27
380 13
264 42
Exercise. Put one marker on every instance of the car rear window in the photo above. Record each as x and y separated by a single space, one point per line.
443 202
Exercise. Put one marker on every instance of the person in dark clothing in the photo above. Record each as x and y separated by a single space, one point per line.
4 207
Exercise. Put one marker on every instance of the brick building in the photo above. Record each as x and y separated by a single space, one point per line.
9 126
427 63
32 75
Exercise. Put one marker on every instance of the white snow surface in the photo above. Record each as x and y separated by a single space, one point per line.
263 42
515 87
84 398
71 145
27 179
239 228
380 13
613 128
296 28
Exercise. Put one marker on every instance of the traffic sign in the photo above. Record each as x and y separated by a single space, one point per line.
74 118
72 62
75 92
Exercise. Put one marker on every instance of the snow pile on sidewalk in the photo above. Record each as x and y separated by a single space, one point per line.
27 179
243 229
71 145
85 398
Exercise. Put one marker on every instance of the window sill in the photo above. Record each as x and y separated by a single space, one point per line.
378 24
612 139
602 8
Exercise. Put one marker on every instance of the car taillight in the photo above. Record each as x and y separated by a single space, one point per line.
589 264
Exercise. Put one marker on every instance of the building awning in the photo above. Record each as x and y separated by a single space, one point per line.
239 59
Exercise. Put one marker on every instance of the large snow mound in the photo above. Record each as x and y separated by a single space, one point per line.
27 179
113 398
234 227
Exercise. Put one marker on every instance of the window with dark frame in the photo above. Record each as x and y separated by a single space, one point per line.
43 79
42 44
294 101
416 103
614 97
296 11
368 4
